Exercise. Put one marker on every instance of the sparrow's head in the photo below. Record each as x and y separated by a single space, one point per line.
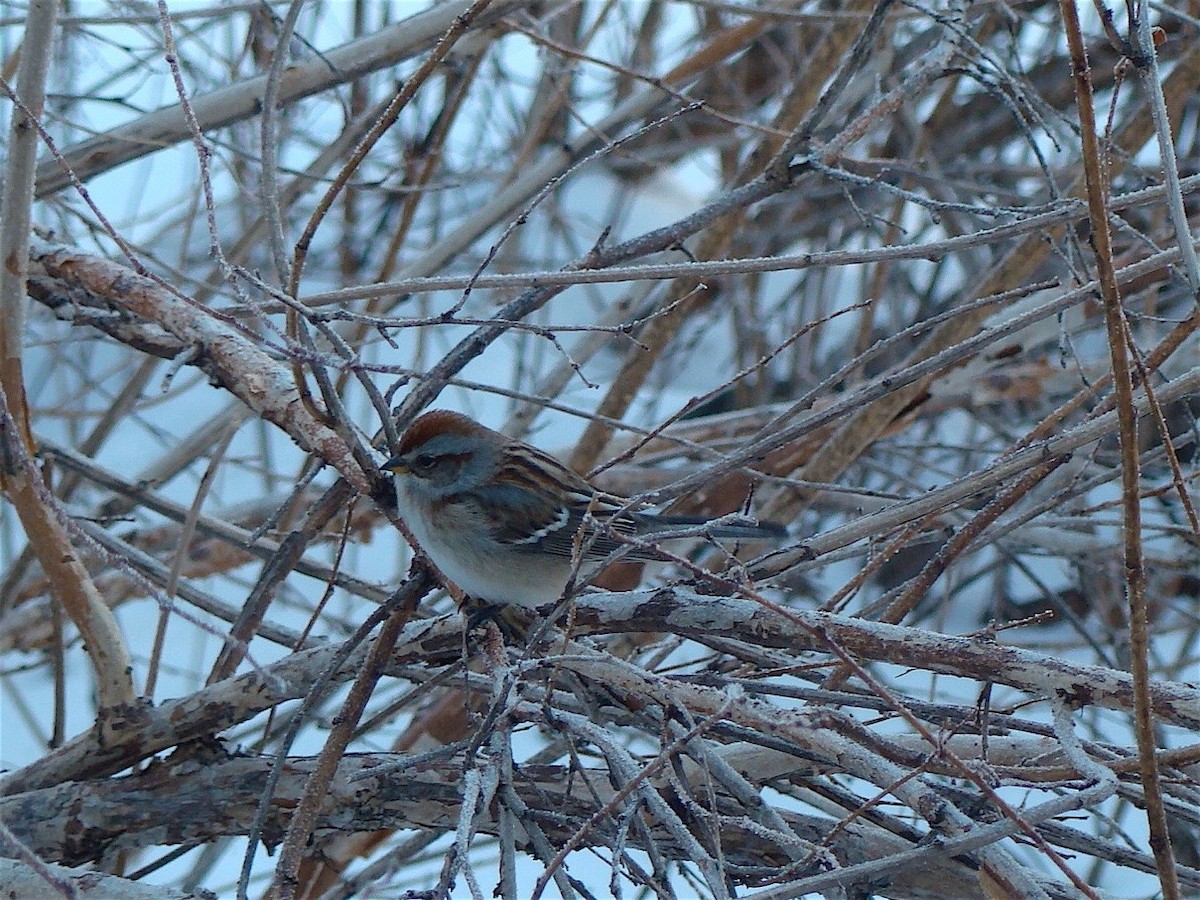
444 452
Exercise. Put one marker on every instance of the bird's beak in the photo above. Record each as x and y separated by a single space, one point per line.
395 465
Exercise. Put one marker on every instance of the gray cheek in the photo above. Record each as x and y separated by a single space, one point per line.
415 497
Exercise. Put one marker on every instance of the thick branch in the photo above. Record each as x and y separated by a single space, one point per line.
198 798
228 356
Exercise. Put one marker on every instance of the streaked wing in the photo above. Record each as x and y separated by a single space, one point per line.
599 541
537 504
524 507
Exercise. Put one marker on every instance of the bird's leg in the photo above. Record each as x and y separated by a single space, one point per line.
477 612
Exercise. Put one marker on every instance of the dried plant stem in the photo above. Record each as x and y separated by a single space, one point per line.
35 505
1134 564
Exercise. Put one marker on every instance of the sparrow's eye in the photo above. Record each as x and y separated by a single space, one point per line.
424 462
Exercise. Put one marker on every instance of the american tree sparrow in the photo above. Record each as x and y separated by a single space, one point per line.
509 524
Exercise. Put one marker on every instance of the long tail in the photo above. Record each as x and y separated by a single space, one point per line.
743 528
